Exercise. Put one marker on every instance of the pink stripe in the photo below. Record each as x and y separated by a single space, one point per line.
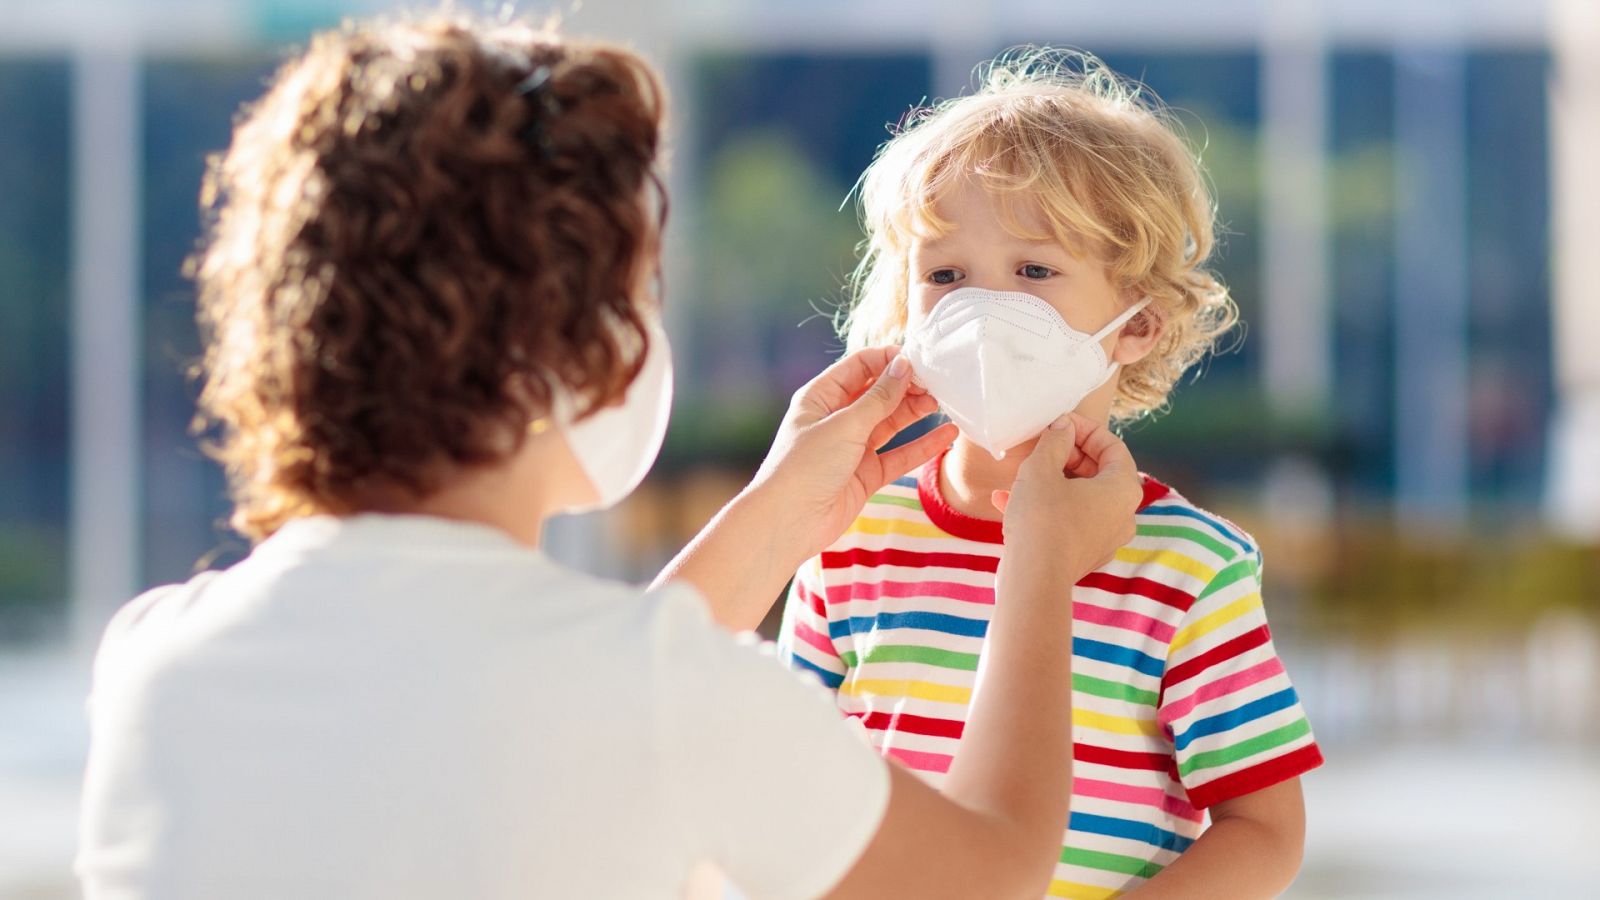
873 590
922 762
1131 621
1110 790
820 641
1259 672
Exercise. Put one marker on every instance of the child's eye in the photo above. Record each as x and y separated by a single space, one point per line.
1035 272
943 276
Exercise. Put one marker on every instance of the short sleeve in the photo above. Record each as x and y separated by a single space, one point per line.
804 642
1236 723
768 782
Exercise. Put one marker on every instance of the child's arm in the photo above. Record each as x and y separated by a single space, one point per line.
1252 849
1241 741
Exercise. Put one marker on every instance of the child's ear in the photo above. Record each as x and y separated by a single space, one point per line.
1138 338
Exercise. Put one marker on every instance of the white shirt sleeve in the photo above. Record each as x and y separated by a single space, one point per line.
770 785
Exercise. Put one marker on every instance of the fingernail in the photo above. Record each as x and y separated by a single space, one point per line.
1060 423
898 367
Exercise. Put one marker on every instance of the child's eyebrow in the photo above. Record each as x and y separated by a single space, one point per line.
935 243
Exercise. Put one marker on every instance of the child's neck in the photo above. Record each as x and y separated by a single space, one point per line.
970 476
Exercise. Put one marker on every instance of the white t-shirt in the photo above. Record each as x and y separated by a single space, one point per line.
402 706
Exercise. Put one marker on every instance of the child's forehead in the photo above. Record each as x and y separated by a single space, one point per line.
972 202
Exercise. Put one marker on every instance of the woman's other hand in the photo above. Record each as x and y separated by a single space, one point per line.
1074 498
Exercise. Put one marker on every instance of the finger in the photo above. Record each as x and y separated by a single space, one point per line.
840 384
912 454
1103 449
1000 499
1079 465
879 401
1055 442
910 411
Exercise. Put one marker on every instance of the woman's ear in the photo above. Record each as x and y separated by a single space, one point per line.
1137 338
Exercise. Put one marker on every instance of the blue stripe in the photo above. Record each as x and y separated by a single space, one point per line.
1196 514
838 628
1133 831
1233 718
1121 656
908 481
831 679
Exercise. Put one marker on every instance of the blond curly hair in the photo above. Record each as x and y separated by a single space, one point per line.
1109 169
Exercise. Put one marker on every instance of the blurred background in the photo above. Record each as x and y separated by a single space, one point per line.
1410 425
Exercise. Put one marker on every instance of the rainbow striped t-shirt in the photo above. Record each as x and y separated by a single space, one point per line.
1179 699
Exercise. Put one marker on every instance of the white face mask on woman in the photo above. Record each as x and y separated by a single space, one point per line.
616 446
1003 365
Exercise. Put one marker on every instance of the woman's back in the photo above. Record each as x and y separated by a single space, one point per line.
389 706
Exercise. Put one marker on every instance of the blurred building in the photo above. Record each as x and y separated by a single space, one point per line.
1394 180
1411 423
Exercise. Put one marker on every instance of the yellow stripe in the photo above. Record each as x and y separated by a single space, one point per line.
1088 718
1172 559
864 525
1214 621
905 687
946 693
1077 891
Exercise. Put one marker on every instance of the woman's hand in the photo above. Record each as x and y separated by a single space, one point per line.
824 463
822 468
1074 498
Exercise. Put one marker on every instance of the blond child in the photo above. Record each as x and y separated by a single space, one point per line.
1038 247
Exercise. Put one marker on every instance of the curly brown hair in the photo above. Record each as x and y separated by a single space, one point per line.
422 232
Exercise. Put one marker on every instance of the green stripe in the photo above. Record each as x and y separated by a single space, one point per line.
1236 571
1110 862
932 656
907 502
1192 534
1113 689
1257 744
848 657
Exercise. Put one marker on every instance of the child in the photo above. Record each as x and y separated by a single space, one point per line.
1037 247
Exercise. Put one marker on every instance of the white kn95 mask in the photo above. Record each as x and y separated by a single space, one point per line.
1004 365
615 446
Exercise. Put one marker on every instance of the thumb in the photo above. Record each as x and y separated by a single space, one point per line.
1054 446
880 400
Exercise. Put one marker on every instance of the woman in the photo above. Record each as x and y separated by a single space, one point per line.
429 328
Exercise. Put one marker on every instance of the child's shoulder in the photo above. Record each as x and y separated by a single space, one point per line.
1167 513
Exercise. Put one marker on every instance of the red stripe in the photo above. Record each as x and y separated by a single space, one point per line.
908 724
816 639
1122 759
1264 775
858 556
877 590
1144 587
815 601
1153 490
920 761
1183 671
1086 753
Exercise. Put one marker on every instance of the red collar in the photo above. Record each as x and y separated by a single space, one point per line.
957 523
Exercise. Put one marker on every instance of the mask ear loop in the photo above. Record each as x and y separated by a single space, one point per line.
1119 321
1112 365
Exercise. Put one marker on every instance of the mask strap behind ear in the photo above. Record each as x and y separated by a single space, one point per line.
1121 320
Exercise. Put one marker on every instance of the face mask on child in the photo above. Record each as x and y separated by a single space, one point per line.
616 446
1003 365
